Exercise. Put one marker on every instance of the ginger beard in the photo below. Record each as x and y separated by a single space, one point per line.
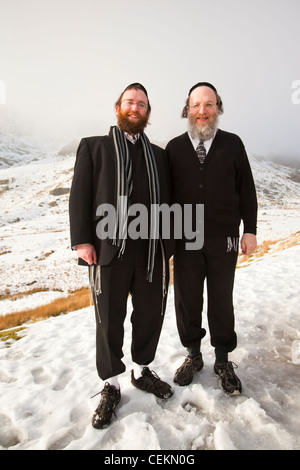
128 125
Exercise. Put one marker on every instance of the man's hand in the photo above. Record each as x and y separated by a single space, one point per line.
87 252
248 243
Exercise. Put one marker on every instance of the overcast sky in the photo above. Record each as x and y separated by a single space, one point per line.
65 62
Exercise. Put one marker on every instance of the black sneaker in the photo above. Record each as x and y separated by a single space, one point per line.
150 382
185 373
110 397
230 382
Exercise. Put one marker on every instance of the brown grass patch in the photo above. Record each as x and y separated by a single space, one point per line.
75 301
11 335
270 246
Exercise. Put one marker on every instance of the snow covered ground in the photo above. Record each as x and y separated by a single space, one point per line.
48 376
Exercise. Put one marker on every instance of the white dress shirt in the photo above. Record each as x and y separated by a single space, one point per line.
132 138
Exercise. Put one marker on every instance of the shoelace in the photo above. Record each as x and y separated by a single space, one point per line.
188 363
159 385
228 374
106 401
152 374
229 367
104 391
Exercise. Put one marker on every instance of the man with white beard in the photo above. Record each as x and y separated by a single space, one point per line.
209 166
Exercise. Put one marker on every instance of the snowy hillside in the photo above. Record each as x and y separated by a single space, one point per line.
34 226
17 147
48 377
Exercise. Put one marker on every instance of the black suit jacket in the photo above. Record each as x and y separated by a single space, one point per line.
94 183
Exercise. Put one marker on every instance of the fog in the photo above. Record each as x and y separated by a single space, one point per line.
64 63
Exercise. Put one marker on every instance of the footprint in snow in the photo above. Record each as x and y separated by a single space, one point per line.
40 376
63 379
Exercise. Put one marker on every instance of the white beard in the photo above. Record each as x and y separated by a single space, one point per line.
204 133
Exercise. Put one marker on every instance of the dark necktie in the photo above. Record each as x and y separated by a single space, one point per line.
201 152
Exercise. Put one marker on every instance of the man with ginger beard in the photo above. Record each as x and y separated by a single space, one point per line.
117 171
209 167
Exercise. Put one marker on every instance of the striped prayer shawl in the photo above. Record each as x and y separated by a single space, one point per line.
123 191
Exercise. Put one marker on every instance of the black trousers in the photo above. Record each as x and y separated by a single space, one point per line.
215 262
119 279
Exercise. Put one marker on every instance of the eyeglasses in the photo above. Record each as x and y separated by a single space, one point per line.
130 103
197 106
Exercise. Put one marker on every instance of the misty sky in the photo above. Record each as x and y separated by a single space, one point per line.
65 62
